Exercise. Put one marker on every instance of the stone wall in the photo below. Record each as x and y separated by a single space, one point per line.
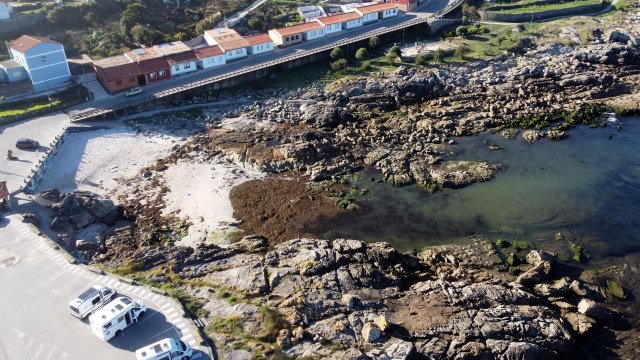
525 17
436 25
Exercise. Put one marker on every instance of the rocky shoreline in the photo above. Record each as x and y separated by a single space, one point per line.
279 293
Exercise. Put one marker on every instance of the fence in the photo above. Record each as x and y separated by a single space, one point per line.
255 68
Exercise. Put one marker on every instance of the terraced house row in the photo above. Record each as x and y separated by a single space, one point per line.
221 45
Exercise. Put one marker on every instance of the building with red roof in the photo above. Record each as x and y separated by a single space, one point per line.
44 59
116 73
151 65
233 45
259 43
295 34
377 12
344 21
209 56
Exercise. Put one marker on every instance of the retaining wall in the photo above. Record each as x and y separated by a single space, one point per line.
526 17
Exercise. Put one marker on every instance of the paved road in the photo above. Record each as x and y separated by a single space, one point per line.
36 284
422 11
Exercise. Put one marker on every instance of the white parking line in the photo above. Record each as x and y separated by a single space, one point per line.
39 350
50 354
191 342
189 336
170 311
136 290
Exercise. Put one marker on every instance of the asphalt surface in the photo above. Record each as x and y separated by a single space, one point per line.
36 284
421 11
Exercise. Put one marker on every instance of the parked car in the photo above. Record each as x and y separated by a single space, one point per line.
27 144
134 91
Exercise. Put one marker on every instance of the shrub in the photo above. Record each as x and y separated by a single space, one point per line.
339 64
374 42
366 65
472 31
362 53
395 50
392 59
419 59
337 53
462 30
464 19
483 29
437 55
255 24
460 52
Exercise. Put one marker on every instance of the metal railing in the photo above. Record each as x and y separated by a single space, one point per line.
253 68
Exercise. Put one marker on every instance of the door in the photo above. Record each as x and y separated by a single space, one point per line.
127 318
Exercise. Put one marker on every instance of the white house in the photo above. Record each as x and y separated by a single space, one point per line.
233 45
373 13
5 9
209 56
345 21
179 56
259 43
294 34
311 12
44 60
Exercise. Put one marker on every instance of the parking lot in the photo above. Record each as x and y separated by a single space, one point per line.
36 284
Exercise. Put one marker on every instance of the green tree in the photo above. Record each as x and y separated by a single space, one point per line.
337 53
374 42
464 19
395 50
461 52
126 24
419 59
255 24
339 64
362 53
462 30
134 10
472 31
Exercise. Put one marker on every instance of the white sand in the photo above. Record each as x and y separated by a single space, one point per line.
201 192
95 160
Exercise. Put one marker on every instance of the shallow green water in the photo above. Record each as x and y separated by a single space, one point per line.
587 184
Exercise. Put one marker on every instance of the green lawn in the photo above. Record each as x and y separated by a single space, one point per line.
538 8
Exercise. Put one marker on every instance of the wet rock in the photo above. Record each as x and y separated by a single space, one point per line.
580 323
531 136
535 257
594 310
536 274
94 233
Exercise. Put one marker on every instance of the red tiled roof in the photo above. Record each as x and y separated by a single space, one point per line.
258 39
376 8
339 18
152 65
116 67
26 42
208 51
181 58
300 28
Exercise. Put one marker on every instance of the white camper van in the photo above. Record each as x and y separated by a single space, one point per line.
91 300
167 349
115 317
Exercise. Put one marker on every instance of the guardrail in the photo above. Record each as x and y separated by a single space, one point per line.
249 69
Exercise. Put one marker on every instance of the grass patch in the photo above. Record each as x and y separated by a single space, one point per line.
538 8
127 269
21 110
272 323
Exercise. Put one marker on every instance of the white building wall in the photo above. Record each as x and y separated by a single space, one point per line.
314 34
330 29
352 24
261 48
183 68
389 13
236 54
211 61
370 17
5 10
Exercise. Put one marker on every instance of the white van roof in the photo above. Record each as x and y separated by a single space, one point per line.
162 346
86 294
108 312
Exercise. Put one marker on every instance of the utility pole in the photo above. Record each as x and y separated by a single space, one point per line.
47 87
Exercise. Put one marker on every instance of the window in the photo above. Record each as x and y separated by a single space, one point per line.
118 82
153 75
286 38
120 318
163 73
321 31
95 300
177 67
312 33
238 52
43 58
220 58
297 37
267 45
210 60
107 325
131 80
187 65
